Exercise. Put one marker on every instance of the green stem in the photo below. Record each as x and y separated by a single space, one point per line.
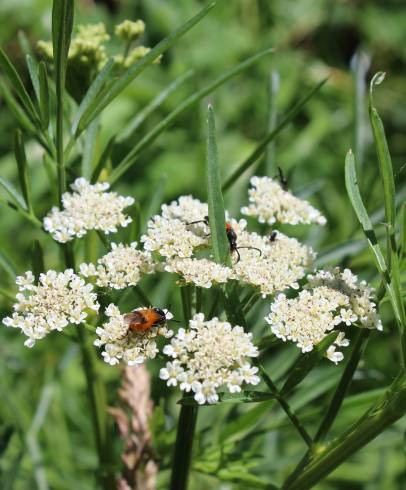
183 447
343 385
387 410
284 404
97 397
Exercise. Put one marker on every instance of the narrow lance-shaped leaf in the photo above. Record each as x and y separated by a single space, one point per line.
306 363
22 166
43 95
89 100
15 108
243 397
139 119
214 195
136 69
32 66
10 191
18 86
262 146
62 24
150 137
104 158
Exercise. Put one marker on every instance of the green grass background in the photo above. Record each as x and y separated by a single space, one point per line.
43 403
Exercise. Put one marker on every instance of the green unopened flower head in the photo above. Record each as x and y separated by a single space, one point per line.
129 30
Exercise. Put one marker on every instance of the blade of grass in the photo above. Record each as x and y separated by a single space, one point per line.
132 156
104 158
273 89
22 167
43 95
214 196
121 83
306 363
139 119
262 146
362 215
18 86
91 96
89 149
62 24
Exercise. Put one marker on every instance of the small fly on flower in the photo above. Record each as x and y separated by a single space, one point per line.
231 237
272 236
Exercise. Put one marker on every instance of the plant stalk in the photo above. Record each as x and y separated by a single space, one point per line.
183 447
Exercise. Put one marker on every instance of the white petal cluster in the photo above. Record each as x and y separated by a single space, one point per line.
201 272
280 265
88 207
131 347
59 298
330 298
270 203
210 355
171 233
120 268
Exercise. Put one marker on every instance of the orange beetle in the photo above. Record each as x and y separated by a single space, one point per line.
144 319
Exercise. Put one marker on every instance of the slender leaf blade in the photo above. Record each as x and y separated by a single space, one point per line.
242 397
263 145
43 95
12 193
22 166
104 157
37 258
17 85
136 69
214 195
150 137
306 363
32 66
62 24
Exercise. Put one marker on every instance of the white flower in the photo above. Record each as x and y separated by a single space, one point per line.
201 272
210 355
270 203
120 343
330 298
120 268
280 265
59 298
89 207
171 238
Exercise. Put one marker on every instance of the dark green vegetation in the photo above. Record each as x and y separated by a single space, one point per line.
46 436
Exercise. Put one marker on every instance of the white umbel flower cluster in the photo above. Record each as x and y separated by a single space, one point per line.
208 356
120 268
170 233
88 207
59 298
330 298
132 347
201 272
282 262
270 203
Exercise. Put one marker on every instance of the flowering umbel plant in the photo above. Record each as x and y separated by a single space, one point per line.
227 272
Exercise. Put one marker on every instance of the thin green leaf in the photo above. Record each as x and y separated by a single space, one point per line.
24 42
121 83
8 266
22 166
243 397
18 85
11 192
37 258
90 99
104 157
43 95
150 137
32 66
15 108
262 146
62 24
273 89
89 149
244 479
353 191
139 119
221 249
306 363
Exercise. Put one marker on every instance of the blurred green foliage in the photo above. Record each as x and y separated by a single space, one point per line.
44 430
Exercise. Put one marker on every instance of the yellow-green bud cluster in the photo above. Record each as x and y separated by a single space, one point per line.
129 30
